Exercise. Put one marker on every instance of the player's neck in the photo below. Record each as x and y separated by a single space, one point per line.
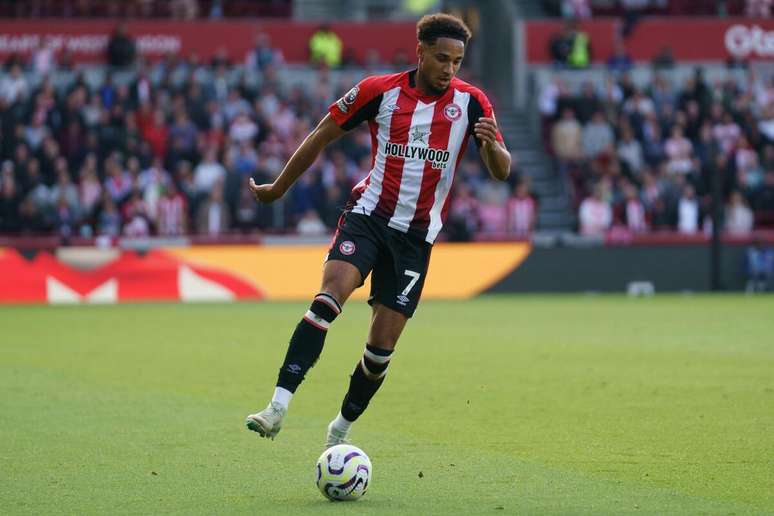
424 86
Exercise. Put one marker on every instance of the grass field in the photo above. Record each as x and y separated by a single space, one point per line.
506 405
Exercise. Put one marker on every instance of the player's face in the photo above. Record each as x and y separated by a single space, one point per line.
440 62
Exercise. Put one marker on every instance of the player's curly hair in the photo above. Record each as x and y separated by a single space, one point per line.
433 26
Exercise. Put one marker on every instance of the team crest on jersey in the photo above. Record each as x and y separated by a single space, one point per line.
452 112
347 248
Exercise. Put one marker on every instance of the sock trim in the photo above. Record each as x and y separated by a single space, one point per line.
369 374
316 321
328 300
379 359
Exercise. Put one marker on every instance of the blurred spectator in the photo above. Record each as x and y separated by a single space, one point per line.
172 211
571 47
521 211
597 136
14 86
630 151
109 220
595 213
64 190
212 217
152 182
35 133
325 47
137 221
587 103
566 138
766 124
634 210
209 172
263 55
688 211
739 217
156 133
10 199
121 50
89 191
65 217
760 266
118 183
463 214
678 151
727 133
619 61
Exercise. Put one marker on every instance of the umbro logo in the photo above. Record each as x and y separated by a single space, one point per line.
294 368
393 107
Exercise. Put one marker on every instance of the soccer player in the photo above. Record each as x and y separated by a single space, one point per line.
420 122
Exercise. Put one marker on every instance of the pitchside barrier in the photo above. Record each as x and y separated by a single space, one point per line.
289 269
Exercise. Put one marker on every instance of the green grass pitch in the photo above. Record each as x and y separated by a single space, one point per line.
505 405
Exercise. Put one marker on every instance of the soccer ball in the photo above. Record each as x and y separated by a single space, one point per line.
343 472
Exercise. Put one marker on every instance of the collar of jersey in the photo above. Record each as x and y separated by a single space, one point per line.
412 86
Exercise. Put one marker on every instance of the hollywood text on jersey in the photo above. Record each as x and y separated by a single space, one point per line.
438 158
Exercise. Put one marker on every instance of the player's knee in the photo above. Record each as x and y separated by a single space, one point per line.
324 310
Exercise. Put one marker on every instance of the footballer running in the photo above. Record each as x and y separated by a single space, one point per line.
420 121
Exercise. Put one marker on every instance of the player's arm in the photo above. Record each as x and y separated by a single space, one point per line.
495 156
325 132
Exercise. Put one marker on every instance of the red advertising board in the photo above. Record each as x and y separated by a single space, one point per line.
691 39
87 40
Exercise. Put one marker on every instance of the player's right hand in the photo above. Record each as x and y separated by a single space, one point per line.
264 193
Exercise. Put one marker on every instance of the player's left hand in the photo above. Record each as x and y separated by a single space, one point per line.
486 130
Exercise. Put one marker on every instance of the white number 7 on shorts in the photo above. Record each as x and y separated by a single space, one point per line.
414 278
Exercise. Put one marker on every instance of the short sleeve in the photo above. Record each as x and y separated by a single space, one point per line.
358 104
479 106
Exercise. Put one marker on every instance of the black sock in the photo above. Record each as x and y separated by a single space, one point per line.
307 341
366 379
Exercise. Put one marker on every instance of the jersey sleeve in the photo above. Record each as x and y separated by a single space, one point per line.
479 106
358 104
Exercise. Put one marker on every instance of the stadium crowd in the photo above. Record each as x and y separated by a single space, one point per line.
175 9
644 157
170 152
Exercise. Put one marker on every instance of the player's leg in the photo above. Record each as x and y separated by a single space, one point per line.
306 344
349 261
396 286
370 372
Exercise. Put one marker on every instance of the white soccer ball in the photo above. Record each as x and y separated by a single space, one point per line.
343 472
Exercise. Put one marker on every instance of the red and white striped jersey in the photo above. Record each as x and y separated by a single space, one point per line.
416 143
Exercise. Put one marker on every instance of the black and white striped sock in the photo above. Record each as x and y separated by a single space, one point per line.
366 379
307 341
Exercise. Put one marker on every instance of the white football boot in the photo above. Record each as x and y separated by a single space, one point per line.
336 436
267 422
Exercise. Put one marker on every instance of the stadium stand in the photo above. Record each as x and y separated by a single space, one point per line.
167 148
650 149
